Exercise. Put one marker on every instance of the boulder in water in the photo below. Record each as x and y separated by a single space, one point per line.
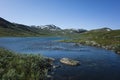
68 61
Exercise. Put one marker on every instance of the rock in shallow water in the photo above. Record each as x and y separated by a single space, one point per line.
68 61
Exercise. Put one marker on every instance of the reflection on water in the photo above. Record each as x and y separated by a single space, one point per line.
96 63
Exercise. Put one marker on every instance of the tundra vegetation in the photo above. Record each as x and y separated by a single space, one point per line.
100 38
15 66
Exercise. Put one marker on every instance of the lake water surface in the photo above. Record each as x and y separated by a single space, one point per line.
96 63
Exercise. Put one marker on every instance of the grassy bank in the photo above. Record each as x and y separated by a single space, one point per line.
106 39
22 66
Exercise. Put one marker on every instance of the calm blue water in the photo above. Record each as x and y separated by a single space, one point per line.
96 63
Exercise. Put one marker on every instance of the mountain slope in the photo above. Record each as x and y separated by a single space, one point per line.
7 29
13 29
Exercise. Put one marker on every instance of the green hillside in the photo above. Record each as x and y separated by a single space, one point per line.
13 29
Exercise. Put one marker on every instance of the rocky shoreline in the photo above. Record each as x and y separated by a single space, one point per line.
115 48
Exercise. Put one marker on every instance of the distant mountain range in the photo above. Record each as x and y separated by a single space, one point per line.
14 29
50 27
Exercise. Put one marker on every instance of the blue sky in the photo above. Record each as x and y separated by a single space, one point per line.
87 14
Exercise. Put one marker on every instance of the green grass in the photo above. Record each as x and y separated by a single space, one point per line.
22 66
109 39
4 32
